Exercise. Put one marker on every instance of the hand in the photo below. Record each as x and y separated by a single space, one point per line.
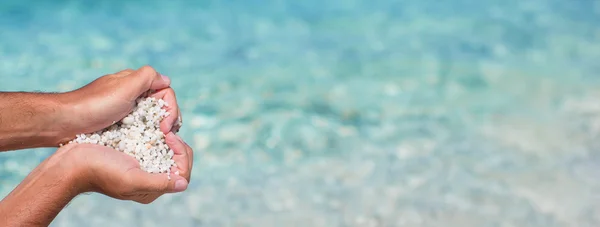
118 175
110 98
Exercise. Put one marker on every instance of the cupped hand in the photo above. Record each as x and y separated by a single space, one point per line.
110 98
118 175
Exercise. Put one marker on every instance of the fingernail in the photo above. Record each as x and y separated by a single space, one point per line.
180 185
165 78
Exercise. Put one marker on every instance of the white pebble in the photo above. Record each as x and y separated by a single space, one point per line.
138 135
128 120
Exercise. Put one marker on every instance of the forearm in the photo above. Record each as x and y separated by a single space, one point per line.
41 196
30 120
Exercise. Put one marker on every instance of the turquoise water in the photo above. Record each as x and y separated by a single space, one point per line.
343 112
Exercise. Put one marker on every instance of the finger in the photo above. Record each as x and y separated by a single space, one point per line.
172 108
142 181
190 155
177 170
146 78
180 155
178 122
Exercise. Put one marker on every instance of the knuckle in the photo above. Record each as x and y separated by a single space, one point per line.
121 195
183 170
147 70
189 175
125 72
144 201
188 149
109 76
151 200
147 198
170 91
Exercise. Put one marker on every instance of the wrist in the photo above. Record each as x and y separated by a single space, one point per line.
64 125
65 161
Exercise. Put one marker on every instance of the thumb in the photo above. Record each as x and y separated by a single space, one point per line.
152 182
146 78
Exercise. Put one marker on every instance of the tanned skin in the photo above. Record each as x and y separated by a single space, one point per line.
30 120
33 120
42 195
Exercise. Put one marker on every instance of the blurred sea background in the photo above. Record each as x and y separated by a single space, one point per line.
341 112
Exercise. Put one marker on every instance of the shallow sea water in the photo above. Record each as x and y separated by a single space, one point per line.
342 112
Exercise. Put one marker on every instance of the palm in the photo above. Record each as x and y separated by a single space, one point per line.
107 165
114 173
115 167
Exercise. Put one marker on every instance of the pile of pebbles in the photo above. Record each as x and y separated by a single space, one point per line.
138 135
